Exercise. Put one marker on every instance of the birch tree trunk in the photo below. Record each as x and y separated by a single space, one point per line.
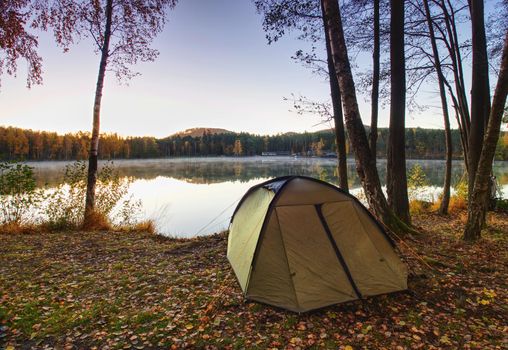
94 142
445 200
396 178
338 117
478 200
365 163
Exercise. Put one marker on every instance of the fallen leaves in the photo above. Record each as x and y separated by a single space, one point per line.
86 290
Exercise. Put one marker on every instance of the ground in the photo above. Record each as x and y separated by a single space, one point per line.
113 290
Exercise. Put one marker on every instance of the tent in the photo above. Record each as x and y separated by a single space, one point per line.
299 243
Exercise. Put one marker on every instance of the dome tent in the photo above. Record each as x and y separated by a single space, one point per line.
300 244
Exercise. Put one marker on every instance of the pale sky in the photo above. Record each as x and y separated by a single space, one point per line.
215 69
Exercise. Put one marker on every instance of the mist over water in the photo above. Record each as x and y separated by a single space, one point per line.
196 196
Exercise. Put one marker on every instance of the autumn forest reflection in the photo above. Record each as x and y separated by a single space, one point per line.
243 169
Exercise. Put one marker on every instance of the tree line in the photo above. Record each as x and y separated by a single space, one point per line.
29 145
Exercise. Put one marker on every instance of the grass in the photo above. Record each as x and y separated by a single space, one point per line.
113 289
98 222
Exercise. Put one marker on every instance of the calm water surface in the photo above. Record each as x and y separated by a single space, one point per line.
196 196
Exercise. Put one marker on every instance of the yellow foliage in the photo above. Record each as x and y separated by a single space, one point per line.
418 206
13 228
147 226
96 222
457 203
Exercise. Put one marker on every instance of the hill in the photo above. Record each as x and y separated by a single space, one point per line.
198 132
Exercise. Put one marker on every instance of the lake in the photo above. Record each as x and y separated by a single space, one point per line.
196 196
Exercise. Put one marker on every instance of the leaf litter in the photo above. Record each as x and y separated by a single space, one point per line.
106 290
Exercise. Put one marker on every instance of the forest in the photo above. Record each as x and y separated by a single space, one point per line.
29 145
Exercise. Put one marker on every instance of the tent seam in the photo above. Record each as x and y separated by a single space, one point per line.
342 261
252 266
287 260
271 208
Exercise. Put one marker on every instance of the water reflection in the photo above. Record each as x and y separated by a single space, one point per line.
184 195
216 170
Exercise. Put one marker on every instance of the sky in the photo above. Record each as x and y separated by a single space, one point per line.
215 69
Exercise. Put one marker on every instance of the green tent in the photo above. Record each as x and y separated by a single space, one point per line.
300 244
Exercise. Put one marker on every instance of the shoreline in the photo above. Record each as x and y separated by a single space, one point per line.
349 159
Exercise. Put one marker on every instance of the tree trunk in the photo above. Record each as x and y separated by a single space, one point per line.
463 141
375 83
445 200
480 97
338 118
365 163
94 142
458 74
478 202
396 178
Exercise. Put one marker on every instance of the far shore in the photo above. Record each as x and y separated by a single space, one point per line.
349 159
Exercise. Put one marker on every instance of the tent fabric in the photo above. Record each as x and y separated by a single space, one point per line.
301 244
248 221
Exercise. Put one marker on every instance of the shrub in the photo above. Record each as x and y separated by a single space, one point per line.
458 201
23 208
461 188
416 181
65 206
129 212
18 195
417 206
502 205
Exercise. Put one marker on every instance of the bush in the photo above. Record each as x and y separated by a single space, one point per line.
18 195
23 208
416 181
458 201
502 205
417 206
65 206
461 188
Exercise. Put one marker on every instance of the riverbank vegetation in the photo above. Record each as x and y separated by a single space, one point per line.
86 289
26 208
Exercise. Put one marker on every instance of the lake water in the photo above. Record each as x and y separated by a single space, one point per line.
196 196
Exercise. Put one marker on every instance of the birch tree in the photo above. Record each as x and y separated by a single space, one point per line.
122 32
